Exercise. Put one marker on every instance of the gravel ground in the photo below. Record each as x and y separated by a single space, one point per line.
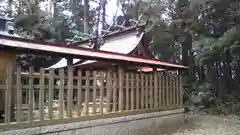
209 125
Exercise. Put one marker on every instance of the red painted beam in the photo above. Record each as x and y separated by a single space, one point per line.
77 52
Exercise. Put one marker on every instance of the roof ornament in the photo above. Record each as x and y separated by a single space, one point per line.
91 37
106 32
139 22
121 26
83 36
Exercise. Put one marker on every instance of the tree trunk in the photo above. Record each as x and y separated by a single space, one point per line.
10 2
237 71
86 16
228 72
202 77
97 44
104 14
50 5
186 50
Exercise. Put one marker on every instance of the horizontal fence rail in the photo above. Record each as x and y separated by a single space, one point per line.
64 94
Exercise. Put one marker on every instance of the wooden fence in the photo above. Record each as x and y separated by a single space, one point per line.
61 95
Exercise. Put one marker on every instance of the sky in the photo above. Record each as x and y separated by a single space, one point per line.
111 10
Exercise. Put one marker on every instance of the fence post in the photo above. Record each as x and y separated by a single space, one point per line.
132 92
120 75
101 91
151 90
19 94
114 91
109 91
146 91
156 96
178 91
174 91
170 89
61 94
137 93
160 100
7 95
127 92
70 91
164 101
50 93
31 94
167 90
41 94
142 90
94 92
86 103
181 90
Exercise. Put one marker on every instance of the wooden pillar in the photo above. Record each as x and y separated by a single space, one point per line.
70 86
7 62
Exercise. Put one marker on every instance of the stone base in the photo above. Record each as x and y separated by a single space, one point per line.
141 124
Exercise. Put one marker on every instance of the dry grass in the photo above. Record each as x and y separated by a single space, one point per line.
209 125
197 125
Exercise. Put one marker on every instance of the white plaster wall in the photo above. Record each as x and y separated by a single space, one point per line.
142 124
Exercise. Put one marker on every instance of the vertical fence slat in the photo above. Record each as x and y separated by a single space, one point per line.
164 90
151 90
19 95
120 75
180 91
41 94
170 90
127 91
8 94
160 89
137 92
177 90
86 109
167 90
94 91
156 96
174 91
50 93
101 91
146 91
132 91
114 92
31 92
70 91
79 93
61 94
142 90
109 90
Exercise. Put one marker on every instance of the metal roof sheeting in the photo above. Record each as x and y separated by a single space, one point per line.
30 46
